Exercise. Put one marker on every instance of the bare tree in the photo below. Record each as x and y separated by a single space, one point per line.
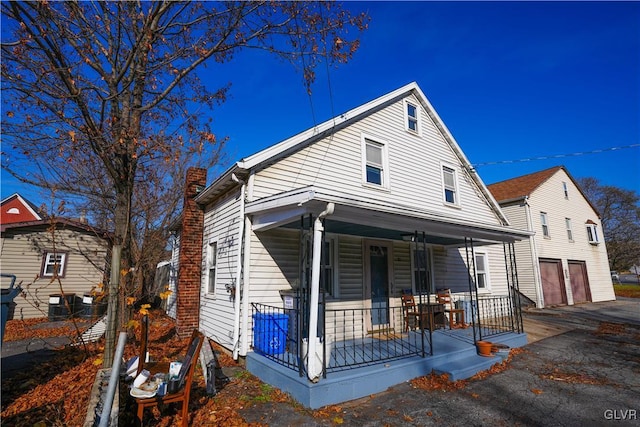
112 87
620 215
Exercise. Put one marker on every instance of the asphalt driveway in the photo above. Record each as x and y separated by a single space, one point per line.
582 368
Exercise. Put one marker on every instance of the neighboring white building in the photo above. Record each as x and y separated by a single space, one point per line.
566 261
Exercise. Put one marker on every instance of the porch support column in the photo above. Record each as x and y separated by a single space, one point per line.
318 228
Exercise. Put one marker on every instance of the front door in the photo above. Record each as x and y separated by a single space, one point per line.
377 282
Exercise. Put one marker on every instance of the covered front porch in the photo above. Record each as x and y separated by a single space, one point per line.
339 331
370 362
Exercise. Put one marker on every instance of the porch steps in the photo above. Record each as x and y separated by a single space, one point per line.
465 363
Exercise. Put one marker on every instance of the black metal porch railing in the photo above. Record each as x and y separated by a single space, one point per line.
497 315
348 342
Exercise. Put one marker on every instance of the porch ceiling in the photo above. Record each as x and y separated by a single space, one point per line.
373 219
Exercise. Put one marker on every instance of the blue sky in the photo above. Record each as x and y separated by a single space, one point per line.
511 80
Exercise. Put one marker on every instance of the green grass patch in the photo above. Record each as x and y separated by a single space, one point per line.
627 291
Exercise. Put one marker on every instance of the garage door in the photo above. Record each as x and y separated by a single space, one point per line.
552 282
579 281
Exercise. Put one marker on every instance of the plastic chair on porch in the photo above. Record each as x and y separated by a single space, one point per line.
444 297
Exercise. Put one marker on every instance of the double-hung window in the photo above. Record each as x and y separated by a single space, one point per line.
53 264
482 272
545 224
212 260
412 117
375 163
450 185
567 222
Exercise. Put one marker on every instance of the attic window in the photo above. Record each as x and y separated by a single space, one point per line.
13 211
565 189
412 122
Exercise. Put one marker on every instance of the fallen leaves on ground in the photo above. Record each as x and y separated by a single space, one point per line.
39 328
573 378
56 392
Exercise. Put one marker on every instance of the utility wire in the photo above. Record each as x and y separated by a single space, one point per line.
556 156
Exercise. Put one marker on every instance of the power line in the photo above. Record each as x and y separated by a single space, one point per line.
556 156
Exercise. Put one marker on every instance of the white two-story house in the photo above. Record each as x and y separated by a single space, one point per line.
566 260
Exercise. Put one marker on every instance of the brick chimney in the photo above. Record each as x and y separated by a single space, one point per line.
190 258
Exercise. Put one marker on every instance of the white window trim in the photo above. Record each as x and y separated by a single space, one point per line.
594 233
385 162
208 292
544 224
456 182
565 190
47 261
413 268
405 105
569 227
487 281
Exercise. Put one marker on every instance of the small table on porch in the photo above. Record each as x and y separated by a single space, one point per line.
433 315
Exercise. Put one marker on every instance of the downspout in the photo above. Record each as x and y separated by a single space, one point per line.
534 254
315 291
246 283
238 288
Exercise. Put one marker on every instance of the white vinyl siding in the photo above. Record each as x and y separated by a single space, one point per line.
415 167
350 268
221 223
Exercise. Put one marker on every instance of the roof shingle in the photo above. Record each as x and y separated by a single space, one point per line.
520 186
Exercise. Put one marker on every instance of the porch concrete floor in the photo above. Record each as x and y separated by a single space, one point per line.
453 353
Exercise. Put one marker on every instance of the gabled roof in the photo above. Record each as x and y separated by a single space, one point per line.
523 186
30 207
241 169
58 222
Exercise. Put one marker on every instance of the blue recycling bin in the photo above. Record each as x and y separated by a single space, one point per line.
270 332
7 301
